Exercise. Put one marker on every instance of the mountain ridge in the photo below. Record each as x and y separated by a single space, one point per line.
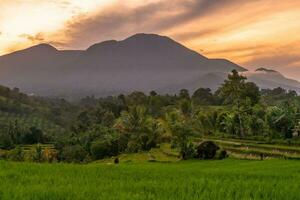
142 62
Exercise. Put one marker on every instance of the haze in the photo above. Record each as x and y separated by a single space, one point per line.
257 33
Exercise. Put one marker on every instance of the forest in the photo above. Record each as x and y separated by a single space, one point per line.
54 130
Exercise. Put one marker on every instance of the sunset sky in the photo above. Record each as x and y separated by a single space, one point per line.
252 33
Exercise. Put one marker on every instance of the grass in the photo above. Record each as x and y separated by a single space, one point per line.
227 179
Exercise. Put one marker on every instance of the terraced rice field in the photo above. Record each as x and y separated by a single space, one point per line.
254 149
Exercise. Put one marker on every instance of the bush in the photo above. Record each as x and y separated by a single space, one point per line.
50 155
4 154
75 153
100 149
32 136
206 150
189 152
133 147
16 154
6 142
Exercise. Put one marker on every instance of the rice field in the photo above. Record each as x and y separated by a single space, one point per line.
226 179
248 149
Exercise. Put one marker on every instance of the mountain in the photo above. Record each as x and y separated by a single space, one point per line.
267 78
141 62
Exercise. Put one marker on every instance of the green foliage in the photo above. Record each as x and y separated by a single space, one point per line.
95 128
101 149
179 127
283 119
38 154
6 141
203 96
74 153
32 136
139 127
16 154
207 150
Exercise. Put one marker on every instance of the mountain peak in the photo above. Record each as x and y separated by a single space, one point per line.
148 38
43 46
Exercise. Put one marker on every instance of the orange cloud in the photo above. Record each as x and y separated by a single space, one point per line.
252 33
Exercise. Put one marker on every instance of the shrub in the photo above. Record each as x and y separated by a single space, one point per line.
32 136
74 153
50 155
188 152
100 149
133 147
206 150
6 142
38 154
4 154
16 154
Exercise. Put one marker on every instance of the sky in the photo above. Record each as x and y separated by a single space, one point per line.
252 33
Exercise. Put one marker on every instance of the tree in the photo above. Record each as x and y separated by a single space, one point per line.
206 122
15 131
74 153
181 131
251 92
32 136
185 107
104 117
153 93
283 119
38 155
203 96
83 122
101 149
139 127
6 141
240 94
184 94
136 98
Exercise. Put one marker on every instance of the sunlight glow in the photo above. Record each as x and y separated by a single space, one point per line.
25 23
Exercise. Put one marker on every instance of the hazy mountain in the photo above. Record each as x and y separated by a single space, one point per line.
142 62
267 78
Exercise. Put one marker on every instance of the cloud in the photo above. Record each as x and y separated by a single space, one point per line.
253 33
119 20
37 38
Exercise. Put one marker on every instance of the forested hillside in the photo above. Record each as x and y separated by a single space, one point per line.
96 128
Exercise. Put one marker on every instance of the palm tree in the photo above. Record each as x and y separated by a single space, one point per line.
139 127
